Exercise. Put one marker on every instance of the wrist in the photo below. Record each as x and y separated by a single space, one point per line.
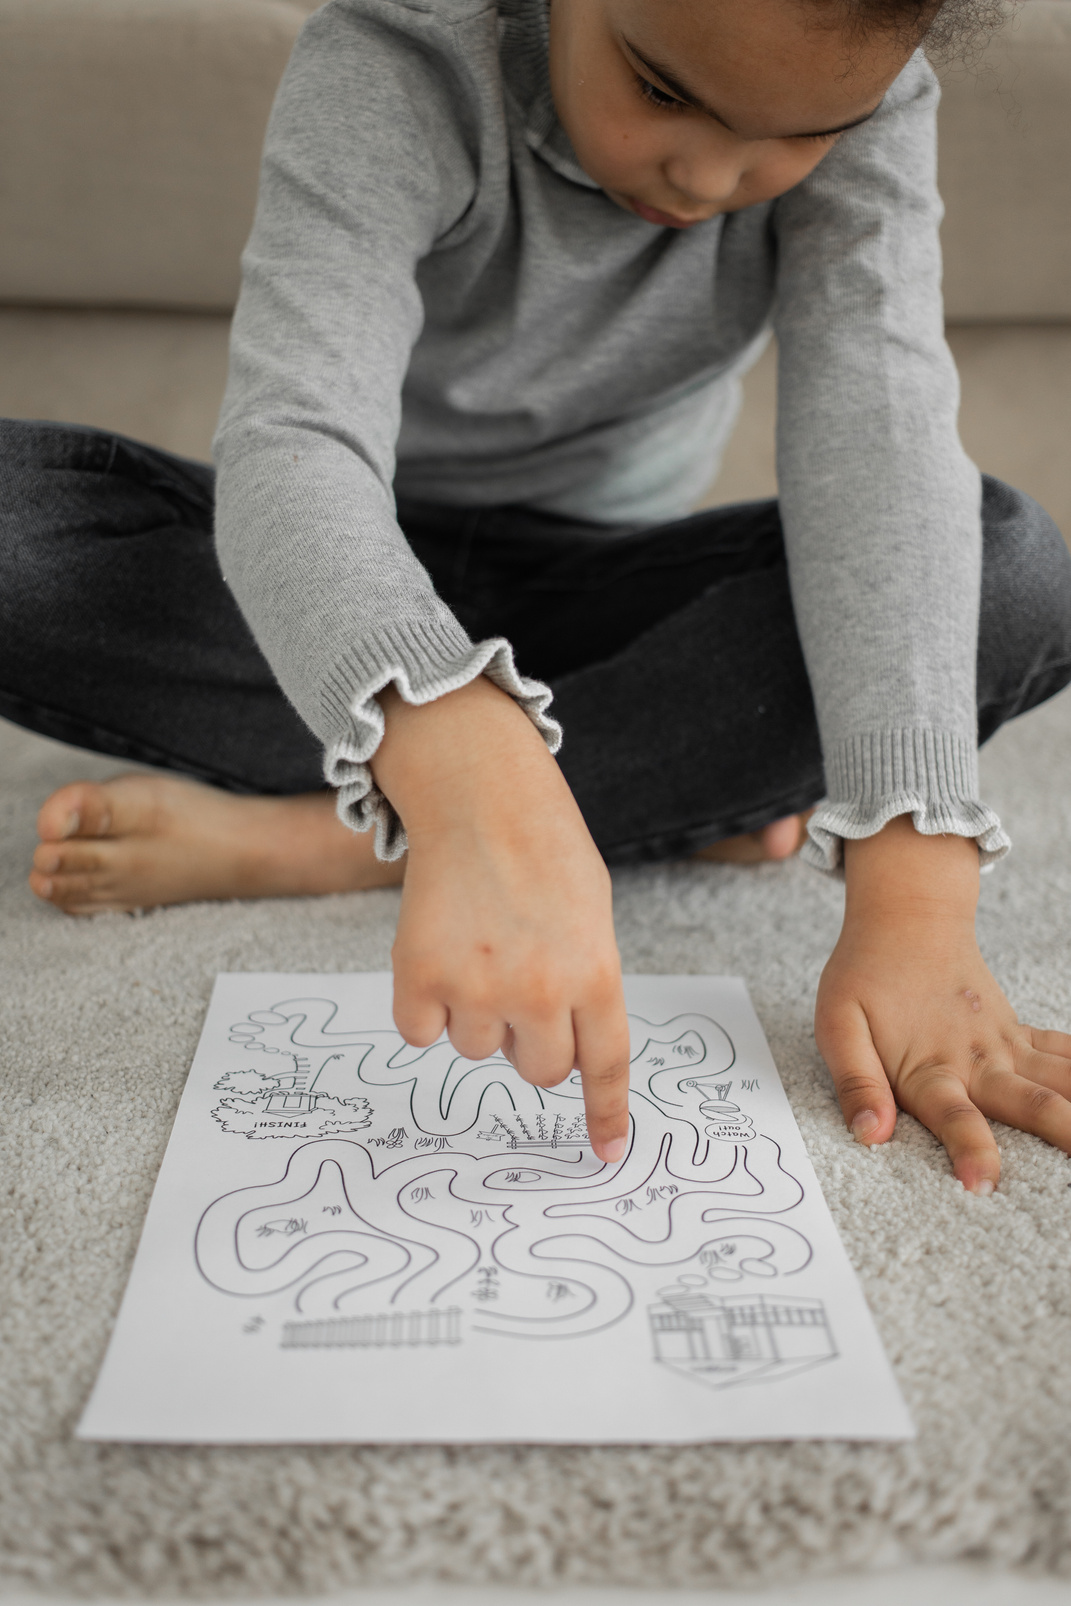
467 757
899 875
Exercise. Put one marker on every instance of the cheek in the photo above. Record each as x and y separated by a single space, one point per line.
612 145
780 171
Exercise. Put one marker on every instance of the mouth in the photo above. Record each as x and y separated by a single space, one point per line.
664 220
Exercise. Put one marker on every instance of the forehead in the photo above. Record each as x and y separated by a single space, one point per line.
769 67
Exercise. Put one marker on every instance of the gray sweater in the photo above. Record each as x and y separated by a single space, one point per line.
437 298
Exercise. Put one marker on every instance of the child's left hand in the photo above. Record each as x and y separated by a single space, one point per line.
907 1009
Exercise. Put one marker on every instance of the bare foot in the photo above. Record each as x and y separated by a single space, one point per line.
779 840
143 840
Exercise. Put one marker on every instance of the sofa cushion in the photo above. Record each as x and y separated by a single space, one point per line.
159 377
1005 165
1016 386
130 135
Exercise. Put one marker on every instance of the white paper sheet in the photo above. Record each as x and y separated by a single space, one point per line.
354 1240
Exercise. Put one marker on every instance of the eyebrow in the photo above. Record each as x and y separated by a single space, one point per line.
689 98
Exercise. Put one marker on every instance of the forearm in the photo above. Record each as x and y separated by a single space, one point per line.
879 503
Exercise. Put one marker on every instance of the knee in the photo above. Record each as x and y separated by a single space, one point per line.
1024 637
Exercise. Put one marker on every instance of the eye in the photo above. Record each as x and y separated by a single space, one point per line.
658 97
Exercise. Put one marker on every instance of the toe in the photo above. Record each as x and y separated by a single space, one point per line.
82 809
74 894
68 858
781 839
41 886
735 850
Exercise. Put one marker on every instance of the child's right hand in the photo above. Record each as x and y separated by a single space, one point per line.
506 935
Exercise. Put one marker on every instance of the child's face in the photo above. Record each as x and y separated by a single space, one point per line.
681 109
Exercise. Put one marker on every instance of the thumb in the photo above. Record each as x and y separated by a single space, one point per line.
842 1033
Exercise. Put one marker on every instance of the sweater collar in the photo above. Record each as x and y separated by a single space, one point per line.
524 50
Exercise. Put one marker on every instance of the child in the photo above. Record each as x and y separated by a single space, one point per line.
506 270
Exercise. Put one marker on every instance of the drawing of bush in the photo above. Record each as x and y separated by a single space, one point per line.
247 1084
258 1106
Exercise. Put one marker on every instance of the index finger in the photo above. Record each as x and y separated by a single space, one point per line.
602 1059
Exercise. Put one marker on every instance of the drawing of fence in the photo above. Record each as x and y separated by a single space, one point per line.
396 1329
518 1131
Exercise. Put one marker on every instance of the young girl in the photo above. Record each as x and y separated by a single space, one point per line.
507 267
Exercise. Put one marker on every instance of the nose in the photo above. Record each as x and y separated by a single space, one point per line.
705 178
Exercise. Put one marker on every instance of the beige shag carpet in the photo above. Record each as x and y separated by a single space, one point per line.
972 1296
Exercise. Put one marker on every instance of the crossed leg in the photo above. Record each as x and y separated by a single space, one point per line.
144 840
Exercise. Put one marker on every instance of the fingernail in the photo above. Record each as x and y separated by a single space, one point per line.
864 1125
50 864
985 1186
74 820
612 1151
46 890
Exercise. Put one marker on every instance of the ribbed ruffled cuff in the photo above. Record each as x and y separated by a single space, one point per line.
930 774
424 661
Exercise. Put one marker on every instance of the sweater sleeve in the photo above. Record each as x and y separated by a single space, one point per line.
353 195
880 504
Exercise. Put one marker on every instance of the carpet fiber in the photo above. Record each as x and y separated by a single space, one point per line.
972 1296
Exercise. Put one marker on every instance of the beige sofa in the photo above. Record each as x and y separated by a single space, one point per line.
129 138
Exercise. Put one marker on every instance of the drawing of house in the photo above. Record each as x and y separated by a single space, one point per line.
721 1340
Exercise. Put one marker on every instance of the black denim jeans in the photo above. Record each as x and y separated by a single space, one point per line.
672 651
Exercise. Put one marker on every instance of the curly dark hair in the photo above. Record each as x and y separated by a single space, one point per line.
948 28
